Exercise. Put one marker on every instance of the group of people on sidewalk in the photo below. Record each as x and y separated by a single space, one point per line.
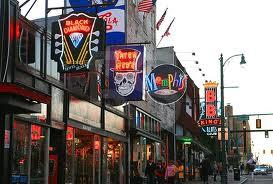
173 172
208 168
159 173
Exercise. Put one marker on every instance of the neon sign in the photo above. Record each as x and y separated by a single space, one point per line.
36 132
166 84
209 120
81 25
70 134
126 72
77 41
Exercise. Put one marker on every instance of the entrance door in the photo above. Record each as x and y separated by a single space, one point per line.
113 162
56 162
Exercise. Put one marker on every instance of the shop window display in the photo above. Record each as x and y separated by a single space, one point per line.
113 162
147 123
38 150
20 149
69 155
29 150
83 157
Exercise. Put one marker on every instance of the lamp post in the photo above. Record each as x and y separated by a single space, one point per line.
222 64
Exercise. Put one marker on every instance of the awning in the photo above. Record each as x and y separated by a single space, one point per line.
18 99
148 135
190 140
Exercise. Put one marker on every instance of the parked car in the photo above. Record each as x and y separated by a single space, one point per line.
260 170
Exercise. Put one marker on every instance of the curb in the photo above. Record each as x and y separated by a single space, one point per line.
244 181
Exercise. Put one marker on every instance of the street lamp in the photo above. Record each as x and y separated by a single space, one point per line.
222 64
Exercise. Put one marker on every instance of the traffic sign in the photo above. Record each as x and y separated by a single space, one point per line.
243 117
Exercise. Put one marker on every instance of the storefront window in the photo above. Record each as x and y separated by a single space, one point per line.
69 155
83 157
84 112
20 154
144 153
114 123
113 162
38 150
147 123
142 120
137 119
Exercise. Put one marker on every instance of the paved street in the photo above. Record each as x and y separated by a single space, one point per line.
260 179
230 180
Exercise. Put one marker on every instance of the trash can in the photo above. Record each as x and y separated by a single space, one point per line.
236 172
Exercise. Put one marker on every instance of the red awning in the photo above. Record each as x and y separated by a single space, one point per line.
14 89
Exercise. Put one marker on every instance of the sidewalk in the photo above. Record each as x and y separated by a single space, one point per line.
231 180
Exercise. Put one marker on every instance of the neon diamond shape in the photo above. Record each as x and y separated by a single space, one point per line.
76 38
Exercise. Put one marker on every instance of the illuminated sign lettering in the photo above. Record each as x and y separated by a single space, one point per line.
166 84
209 120
126 73
77 41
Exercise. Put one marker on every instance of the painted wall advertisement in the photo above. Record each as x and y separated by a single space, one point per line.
166 84
77 41
126 71
113 14
209 120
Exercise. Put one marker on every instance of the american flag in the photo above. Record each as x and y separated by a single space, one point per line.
146 6
161 19
167 33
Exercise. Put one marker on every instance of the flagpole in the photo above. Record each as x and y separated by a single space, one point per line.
160 41
166 33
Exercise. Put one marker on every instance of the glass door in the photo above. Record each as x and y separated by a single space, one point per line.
113 162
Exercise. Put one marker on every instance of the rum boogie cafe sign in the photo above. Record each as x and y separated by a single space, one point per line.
166 84
77 40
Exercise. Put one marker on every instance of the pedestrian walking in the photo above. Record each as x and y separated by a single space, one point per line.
150 171
242 167
170 173
205 170
180 171
160 173
215 170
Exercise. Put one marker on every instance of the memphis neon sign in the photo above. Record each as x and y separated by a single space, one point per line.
166 84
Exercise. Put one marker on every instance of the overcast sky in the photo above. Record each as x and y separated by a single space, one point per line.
212 27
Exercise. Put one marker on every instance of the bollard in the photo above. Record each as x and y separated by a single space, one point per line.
252 176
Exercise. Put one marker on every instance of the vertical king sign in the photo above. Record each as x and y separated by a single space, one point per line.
209 120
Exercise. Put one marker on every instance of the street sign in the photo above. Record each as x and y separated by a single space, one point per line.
243 117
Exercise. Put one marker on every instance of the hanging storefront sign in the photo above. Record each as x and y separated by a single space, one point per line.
209 119
210 130
77 41
113 13
7 139
126 73
36 131
166 84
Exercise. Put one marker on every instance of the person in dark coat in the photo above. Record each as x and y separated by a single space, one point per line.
160 173
205 164
150 171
